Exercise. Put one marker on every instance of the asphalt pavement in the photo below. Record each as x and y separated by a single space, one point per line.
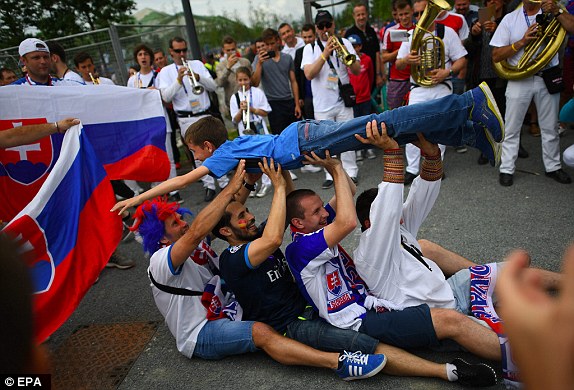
473 216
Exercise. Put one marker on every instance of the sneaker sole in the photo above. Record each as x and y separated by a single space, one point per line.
370 374
493 107
496 147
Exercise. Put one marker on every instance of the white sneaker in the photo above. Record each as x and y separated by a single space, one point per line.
293 176
359 155
311 169
252 194
264 190
371 154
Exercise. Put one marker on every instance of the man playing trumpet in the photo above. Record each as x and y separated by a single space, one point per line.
327 72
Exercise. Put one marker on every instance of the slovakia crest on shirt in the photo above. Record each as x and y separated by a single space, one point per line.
32 246
27 163
334 282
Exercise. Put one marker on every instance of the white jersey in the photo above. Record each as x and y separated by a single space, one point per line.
257 100
292 50
184 99
388 256
73 76
139 80
185 316
511 29
326 93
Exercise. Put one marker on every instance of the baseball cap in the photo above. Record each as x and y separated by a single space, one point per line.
29 45
323 16
355 39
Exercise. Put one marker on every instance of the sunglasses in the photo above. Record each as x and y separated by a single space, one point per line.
178 51
324 25
417 14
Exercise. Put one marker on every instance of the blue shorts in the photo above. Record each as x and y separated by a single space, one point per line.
221 338
318 334
408 328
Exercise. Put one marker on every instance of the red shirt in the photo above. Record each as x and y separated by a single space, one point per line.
453 21
362 82
394 73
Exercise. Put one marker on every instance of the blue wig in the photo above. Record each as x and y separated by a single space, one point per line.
149 221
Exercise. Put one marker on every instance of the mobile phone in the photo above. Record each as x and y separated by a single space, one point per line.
399 35
271 53
252 162
486 14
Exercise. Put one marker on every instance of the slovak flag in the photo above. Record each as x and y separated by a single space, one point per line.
126 127
66 234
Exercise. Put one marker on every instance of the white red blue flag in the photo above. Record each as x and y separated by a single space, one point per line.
126 127
66 234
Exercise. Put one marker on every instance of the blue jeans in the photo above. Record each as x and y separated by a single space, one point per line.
442 121
220 338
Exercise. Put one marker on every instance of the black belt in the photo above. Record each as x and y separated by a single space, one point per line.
189 114
413 86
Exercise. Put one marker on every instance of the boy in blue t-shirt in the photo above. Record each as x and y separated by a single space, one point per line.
469 119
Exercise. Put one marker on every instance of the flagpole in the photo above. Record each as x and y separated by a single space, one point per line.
191 31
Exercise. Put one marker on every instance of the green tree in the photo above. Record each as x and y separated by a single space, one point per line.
51 19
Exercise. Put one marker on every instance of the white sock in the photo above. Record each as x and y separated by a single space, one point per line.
452 376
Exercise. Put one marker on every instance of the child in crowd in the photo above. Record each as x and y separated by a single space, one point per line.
252 100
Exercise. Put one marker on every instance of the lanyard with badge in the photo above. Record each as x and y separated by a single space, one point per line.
332 77
194 102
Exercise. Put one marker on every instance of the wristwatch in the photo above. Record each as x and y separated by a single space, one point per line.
560 12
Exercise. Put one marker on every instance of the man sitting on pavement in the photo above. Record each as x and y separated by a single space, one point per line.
254 268
180 270
327 276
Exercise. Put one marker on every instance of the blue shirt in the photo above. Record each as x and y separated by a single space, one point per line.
283 148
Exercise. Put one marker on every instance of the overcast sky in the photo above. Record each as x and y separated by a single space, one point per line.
292 8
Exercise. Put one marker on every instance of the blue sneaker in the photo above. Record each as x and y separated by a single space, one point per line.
486 144
485 111
359 366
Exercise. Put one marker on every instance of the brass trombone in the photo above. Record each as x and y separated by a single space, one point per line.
196 88
341 50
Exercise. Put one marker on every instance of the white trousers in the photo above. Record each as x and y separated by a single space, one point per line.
208 181
519 94
340 113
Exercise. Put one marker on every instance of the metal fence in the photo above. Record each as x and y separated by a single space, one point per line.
111 48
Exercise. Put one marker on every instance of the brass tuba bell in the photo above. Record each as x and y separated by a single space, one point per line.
537 53
431 49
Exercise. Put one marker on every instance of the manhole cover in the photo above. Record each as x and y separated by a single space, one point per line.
100 356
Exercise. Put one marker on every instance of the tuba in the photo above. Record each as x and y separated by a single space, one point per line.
537 53
342 51
431 49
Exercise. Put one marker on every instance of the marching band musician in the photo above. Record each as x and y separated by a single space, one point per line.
326 80
454 62
515 31
188 106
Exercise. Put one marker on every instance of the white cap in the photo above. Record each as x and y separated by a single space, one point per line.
29 45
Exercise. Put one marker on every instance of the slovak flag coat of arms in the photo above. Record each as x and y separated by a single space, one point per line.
66 234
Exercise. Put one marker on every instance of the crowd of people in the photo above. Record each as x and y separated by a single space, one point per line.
309 102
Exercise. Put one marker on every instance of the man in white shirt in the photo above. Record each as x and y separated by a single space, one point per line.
85 66
189 106
290 40
326 81
441 86
59 65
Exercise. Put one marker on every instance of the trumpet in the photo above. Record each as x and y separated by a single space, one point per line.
197 88
95 80
341 50
246 121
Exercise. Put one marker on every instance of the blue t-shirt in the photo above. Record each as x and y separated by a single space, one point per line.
267 293
284 148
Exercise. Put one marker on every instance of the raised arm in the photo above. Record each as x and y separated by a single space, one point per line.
206 219
272 238
170 185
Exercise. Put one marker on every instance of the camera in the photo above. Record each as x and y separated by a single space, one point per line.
271 53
